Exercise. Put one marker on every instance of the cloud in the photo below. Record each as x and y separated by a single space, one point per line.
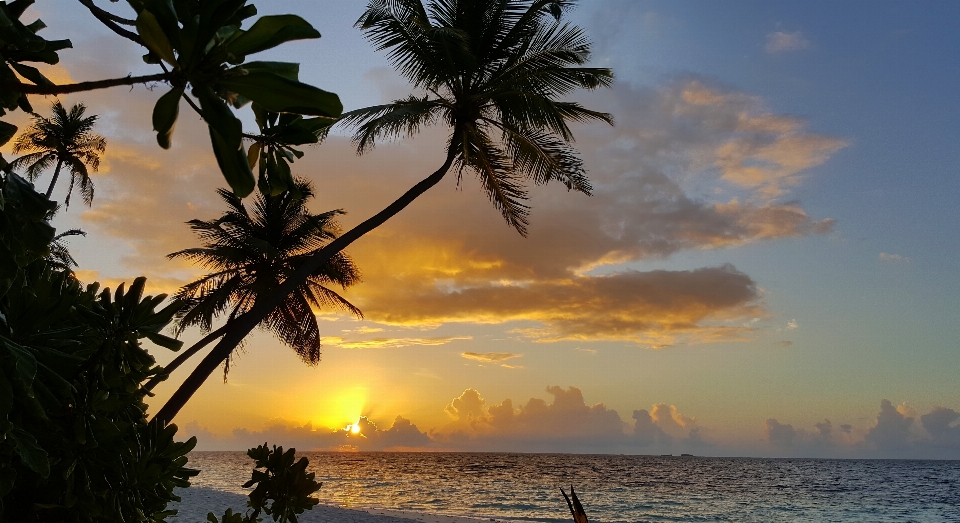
942 425
391 343
895 433
792 325
565 422
892 431
449 258
490 357
653 307
893 258
402 435
780 41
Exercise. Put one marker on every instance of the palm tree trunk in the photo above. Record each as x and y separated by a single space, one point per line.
184 356
56 174
243 324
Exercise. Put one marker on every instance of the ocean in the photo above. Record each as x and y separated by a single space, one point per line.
614 489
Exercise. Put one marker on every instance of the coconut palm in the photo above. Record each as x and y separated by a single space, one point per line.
493 71
64 139
250 252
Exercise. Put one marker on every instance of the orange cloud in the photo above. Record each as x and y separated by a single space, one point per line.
656 308
490 357
391 343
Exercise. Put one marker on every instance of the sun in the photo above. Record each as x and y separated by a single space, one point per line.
354 428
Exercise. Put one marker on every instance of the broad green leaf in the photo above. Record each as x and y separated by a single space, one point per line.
7 131
218 116
153 36
165 114
277 183
283 169
226 135
31 73
6 395
233 164
164 341
30 452
253 154
7 478
282 95
289 70
271 31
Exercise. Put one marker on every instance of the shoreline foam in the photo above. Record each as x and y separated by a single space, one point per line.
196 502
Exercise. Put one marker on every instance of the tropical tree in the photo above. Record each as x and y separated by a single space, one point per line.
493 71
64 139
60 257
250 252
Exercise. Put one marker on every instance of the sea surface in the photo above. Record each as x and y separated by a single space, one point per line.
526 487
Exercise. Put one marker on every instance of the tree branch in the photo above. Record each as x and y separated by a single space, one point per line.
86 86
112 22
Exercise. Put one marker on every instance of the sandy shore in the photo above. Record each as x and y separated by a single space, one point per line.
197 502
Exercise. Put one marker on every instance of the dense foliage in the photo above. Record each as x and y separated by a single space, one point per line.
75 444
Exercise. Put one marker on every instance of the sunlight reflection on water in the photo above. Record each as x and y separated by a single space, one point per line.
525 487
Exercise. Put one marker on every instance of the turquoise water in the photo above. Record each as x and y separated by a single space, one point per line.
525 487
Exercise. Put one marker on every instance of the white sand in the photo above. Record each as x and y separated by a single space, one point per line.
197 502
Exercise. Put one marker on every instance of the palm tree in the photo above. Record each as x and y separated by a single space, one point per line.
65 139
492 71
250 253
59 257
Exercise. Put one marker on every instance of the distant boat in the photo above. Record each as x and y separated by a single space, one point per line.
666 455
687 455
576 509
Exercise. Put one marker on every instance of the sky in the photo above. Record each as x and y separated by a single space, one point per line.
767 266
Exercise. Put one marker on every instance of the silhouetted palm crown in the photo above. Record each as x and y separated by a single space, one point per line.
493 71
251 253
64 139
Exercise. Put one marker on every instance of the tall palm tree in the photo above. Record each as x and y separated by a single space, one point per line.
493 71
250 252
65 139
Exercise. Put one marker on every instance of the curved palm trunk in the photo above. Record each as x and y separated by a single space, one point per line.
184 356
56 174
243 324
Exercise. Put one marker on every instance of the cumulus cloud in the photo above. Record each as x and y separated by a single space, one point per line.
780 41
565 422
402 435
894 433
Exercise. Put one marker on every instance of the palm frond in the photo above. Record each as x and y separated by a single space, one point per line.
402 118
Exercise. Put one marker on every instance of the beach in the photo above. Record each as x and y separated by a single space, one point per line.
196 502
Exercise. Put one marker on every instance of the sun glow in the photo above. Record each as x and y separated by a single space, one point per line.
354 428
346 406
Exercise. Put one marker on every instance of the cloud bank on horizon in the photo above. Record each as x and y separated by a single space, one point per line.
568 424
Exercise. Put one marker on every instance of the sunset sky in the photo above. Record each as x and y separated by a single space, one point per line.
768 267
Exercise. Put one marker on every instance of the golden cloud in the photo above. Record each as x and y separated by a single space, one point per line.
390 343
490 357
654 308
